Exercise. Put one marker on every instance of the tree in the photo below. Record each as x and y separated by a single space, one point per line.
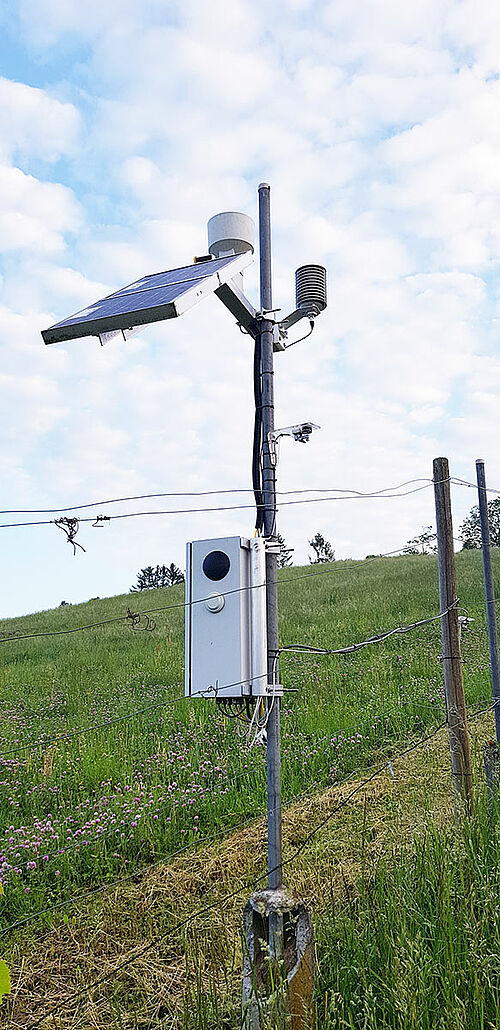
470 530
162 576
176 575
285 555
425 543
322 549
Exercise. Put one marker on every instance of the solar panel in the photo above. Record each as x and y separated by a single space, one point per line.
150 299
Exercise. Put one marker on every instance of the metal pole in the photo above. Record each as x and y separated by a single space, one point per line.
274 852
461 770
491 614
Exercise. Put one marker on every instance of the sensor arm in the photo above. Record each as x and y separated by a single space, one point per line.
294 317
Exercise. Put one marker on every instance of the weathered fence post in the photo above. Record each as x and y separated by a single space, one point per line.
461 770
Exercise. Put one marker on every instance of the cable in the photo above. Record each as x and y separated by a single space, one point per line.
465 482
304 648
206 493
231 507
257 435
306 335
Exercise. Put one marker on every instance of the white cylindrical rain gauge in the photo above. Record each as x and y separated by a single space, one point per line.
230 232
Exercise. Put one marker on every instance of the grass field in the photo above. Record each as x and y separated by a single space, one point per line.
95 807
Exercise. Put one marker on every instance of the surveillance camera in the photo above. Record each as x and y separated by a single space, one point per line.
302 433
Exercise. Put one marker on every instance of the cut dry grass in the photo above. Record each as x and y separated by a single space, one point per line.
202 959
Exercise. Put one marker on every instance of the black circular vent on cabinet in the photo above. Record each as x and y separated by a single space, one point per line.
216 565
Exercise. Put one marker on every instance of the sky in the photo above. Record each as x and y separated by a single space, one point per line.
123 128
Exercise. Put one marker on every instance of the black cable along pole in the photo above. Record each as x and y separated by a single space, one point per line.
274 846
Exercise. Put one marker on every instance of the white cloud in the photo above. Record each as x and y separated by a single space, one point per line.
34 215
376 125
32 122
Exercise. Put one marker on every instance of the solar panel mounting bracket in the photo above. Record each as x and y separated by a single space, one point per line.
235 301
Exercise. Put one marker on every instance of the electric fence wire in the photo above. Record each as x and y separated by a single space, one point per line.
248 885
140 871
208 692
82 845
230 507
217 691
214 493
245 775
465 482
484 602
199 600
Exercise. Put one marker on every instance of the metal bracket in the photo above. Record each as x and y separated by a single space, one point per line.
275 690
279 336
272 545
235 301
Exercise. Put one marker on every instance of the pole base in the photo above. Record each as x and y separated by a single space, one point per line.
281 984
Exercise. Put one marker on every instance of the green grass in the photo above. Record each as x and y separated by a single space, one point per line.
132 792
418 944
412 943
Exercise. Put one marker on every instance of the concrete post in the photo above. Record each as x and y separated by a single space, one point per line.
290 997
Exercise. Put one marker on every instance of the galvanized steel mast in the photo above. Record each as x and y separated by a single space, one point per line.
274 847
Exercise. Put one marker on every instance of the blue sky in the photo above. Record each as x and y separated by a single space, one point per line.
123 128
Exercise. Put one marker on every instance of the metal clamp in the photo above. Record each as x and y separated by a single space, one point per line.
275 690
272 545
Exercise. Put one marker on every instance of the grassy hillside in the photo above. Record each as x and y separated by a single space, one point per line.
405 905
104 803
78 811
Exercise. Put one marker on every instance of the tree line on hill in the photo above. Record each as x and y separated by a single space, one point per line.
469 532
422 543
157 576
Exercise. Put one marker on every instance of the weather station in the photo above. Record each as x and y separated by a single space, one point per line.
231 621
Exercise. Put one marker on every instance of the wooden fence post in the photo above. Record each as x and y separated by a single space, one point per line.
461 770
